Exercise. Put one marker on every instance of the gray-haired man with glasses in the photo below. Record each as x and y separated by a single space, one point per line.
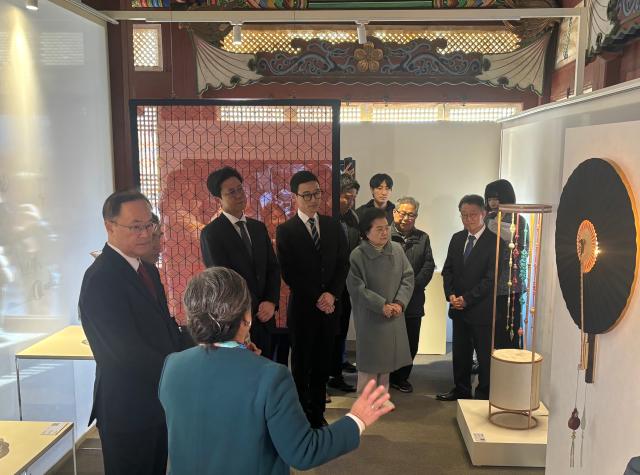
417 247
130 331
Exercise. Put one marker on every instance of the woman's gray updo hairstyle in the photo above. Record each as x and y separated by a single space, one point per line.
216 301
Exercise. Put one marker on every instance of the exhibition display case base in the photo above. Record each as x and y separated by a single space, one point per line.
491 445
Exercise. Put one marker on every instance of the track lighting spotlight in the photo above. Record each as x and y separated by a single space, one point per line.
237 33
31 4
362 32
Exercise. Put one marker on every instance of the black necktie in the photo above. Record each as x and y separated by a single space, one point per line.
469 246
245 236
314 233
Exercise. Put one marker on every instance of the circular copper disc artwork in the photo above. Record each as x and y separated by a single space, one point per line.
596 228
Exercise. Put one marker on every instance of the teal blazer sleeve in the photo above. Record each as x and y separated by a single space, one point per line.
297 443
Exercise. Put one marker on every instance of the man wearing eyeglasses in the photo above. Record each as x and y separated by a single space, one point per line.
238 242
130 331
313 255
468 278
417 247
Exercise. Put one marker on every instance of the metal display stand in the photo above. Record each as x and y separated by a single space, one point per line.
515 372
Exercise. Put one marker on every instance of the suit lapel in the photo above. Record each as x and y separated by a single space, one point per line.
324 221
124 269
475 250
254 230
304 232
131 277
234 237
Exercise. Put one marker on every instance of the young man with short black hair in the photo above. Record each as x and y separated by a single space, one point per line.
313 255
381 185
238 242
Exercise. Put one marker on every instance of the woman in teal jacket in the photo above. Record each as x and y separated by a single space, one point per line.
230 411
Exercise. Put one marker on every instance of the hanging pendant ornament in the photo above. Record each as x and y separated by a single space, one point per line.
587 252
583 426
525 272
512 246
574 424
597 211
515 284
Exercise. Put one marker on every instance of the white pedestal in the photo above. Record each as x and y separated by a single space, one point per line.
489 444
433 332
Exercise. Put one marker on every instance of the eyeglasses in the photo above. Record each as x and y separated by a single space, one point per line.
140 228
235 192
309 196
403 214
470 216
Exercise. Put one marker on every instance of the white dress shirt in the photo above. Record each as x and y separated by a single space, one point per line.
134 261
477 236
305 220
235 221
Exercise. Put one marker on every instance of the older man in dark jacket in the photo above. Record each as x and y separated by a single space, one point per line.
417 248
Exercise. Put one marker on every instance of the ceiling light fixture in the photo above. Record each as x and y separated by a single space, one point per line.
362 31
237 33
31 4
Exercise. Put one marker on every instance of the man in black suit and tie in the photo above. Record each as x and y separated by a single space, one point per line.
243 244
130 331
312 250
468 275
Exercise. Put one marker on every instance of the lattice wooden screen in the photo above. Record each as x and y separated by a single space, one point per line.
179 145
468 40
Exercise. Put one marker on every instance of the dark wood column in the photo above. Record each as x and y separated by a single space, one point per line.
606 70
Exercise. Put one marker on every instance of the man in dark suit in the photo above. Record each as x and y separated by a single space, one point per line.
349 222
237 242
312 250
468 275
130 331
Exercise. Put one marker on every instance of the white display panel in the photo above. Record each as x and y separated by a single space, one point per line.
613 408
535 154
436 163
55 172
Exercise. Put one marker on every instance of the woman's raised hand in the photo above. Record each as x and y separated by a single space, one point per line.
370 406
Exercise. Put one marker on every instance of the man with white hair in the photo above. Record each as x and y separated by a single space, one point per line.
417 247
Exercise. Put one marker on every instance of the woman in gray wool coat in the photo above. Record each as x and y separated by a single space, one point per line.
380 284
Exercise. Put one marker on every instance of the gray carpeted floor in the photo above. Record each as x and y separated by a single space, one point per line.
420 437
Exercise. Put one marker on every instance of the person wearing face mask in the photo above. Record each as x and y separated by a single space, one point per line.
238 242
381 185
417 247
313 253
380 284
468 278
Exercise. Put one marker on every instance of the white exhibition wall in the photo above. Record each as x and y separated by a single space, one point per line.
436 163
539 152
55 171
